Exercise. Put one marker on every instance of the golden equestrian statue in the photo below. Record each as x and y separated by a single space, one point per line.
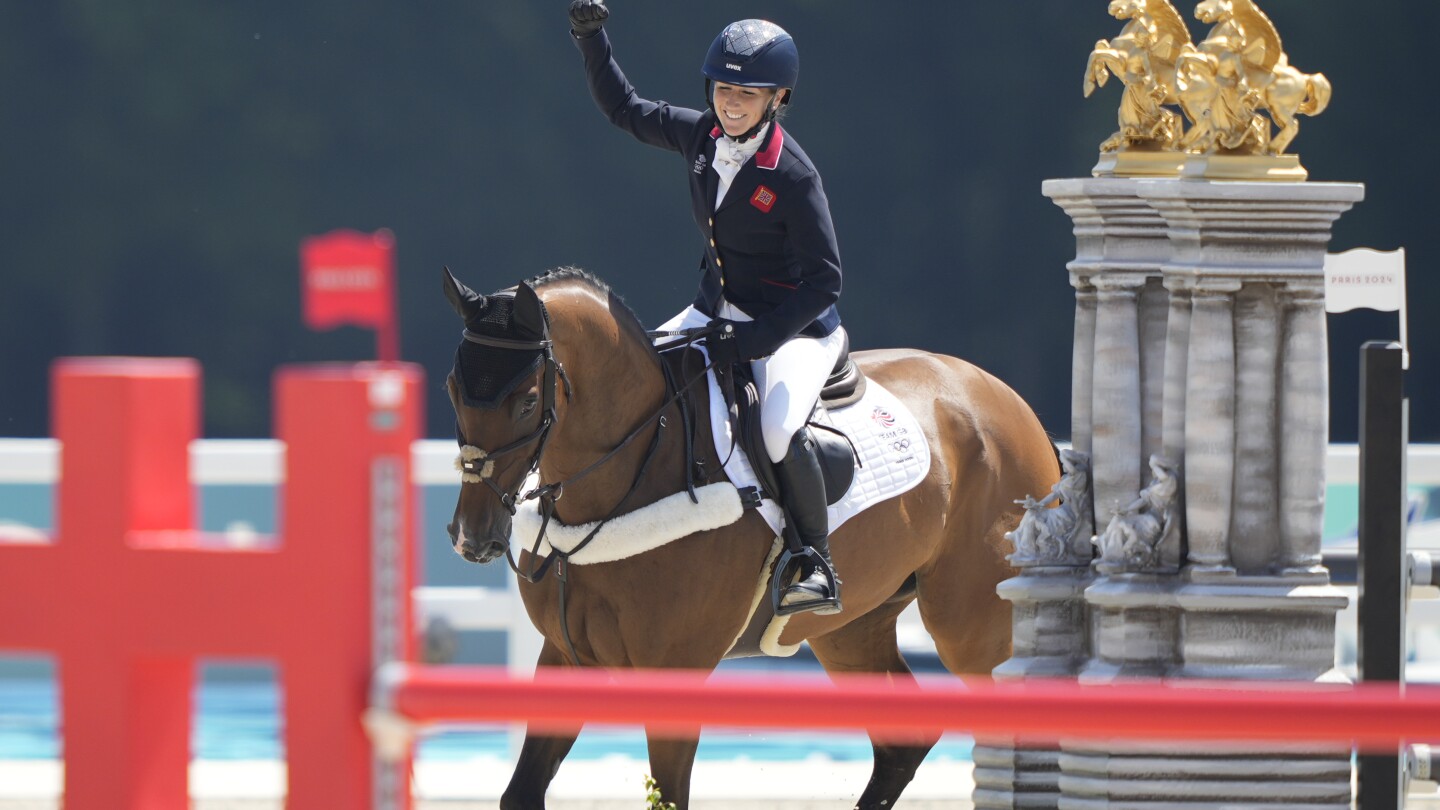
1143 57
1238 71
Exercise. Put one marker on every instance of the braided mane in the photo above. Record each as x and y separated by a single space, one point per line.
569 273
594 282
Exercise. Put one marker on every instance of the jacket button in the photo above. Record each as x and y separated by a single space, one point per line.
712 243
712 222
719 262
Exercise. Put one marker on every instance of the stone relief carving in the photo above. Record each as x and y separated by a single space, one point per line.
1055 528
1132 541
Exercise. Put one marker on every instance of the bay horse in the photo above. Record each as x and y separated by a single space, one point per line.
558 375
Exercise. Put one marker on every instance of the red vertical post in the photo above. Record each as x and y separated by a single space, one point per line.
347 431
125 427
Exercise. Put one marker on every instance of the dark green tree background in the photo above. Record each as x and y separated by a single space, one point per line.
162 159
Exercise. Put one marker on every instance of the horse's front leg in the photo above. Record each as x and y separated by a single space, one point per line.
540 755
671 761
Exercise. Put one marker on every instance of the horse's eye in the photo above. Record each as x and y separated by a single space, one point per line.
528 406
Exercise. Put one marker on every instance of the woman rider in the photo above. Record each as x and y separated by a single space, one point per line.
771 271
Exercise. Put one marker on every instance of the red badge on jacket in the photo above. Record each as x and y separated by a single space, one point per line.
763 198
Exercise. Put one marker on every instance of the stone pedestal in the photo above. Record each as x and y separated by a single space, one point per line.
1139 776
1051 640
1200 393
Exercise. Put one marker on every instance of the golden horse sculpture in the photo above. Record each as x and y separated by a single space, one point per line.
1238 71
1143 57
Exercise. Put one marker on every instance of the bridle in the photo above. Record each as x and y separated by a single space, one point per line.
477 465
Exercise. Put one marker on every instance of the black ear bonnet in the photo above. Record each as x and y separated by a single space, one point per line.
487 374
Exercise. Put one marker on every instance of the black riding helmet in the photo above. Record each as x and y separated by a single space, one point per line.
752 53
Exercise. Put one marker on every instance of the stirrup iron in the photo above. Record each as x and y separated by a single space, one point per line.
781 585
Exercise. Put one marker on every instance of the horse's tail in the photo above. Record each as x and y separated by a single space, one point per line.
1317 94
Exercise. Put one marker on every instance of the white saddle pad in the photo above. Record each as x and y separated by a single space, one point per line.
894 453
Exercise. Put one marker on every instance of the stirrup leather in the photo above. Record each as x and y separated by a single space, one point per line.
781 586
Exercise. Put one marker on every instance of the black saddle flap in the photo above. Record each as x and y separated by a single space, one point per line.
837 460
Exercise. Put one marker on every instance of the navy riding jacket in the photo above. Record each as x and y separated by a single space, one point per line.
770 245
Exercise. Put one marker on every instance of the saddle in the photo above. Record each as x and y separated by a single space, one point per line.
838 457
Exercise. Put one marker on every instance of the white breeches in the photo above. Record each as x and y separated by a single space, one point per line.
789 381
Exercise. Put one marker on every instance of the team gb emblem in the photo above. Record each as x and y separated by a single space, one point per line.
764 199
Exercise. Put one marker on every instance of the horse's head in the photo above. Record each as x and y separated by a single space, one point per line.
502 387
1213 11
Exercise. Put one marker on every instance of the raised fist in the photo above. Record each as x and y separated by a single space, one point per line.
587 17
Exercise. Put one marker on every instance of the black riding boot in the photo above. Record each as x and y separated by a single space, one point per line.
802 493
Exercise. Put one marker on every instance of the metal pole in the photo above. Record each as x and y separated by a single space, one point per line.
1384 592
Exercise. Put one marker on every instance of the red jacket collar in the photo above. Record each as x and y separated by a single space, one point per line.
769 155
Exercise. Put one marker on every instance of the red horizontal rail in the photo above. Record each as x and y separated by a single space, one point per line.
1370 716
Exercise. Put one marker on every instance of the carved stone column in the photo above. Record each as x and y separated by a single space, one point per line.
1154 325
1257 438
1305 407
1115 432
1176 385
1082 364
1210 425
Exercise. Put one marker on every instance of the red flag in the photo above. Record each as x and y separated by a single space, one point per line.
348 277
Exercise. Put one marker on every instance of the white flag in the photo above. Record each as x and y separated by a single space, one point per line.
1368 279
1365 279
